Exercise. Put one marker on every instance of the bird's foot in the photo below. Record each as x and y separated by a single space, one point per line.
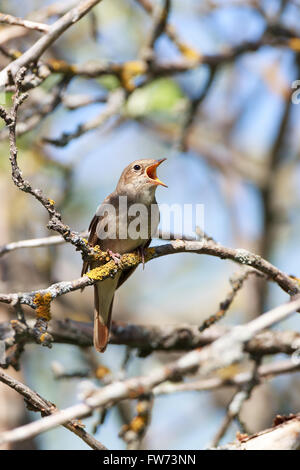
114 256
141 252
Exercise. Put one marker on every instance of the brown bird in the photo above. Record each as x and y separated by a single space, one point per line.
118 229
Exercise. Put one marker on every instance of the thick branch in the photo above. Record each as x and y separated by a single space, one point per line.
285 436
148 338
110 269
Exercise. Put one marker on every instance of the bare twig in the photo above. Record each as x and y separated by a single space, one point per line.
55 222
35 243
235 406
33 119
265 372
134 432
36 403
58 240
159 26
237 284
114 104
55 30
193 109
55 9
9 19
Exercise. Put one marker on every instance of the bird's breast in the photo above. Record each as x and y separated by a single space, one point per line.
129 229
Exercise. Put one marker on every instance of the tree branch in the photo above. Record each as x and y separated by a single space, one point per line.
33 25
35 402
55 30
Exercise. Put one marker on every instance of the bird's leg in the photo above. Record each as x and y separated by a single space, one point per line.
141 252
114 256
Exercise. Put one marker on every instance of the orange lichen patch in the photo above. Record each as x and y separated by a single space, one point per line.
241 436
294 43
297 279
229 372
43 337
101 372
100 255
136 393
15 53
130 70
77 423
150 252
142 407
188 52
43 305
61 66
138 423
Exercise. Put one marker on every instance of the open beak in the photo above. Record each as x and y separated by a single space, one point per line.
151 173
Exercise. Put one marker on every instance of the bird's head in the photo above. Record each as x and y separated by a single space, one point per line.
140 177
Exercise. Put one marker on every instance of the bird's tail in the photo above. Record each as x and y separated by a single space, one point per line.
104 296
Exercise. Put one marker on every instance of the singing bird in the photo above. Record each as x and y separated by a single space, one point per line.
110 229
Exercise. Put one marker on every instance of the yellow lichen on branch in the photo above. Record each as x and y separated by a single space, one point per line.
101 371
102 272
60 66
138 424
187 51
294 44
109 269
43 305
130 70
100 255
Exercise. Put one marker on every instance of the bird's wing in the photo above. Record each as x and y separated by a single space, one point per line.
92 240
125 274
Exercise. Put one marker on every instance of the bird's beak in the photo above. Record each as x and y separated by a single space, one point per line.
151 173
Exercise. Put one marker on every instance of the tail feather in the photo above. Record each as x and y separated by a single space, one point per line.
104 296
101 334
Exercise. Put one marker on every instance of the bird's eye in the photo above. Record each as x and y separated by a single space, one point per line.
136 167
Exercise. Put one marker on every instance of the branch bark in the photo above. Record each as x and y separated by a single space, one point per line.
36 403
55 31
285 436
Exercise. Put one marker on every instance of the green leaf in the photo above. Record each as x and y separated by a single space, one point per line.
162 95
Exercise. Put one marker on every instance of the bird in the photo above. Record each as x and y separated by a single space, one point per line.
115 230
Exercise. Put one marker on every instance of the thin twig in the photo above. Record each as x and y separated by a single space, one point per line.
33 25
36 403
55 31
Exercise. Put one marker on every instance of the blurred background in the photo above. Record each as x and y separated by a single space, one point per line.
229 131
